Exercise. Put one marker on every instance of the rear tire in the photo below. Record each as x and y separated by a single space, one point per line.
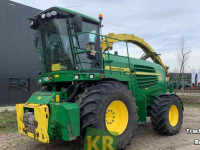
93 107
167 114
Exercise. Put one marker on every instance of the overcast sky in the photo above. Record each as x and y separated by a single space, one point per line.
160 23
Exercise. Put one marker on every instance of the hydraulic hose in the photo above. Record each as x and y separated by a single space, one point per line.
74 92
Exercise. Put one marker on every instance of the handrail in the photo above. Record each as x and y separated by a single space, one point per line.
103 52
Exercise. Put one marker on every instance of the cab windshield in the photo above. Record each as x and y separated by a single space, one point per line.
55 44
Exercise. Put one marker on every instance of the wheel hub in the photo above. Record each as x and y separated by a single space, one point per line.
116 118
173 115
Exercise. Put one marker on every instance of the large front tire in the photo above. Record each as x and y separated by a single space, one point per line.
109 105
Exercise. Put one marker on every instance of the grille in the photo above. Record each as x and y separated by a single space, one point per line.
143 77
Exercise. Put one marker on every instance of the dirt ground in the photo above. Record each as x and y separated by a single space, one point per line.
145 138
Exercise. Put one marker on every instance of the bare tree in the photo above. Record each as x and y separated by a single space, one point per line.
176 72
182 57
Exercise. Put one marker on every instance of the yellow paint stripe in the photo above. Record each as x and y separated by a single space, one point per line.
125 69
147 73
128 70
117 68
107 67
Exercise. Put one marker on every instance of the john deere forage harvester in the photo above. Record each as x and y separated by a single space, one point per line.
84 85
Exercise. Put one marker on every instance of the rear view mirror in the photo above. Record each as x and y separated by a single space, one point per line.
78 23
36 40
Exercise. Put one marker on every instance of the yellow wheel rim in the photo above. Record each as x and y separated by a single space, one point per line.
173 115
116 118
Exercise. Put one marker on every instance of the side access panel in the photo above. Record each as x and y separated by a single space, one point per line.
142 108
65 117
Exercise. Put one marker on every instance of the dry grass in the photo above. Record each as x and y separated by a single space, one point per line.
8 121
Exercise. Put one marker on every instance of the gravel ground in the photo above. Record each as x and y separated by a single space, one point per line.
10 108
145 138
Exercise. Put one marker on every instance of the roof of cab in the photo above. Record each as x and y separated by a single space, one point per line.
77 13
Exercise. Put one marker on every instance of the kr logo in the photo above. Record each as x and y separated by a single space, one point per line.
106 142
98 139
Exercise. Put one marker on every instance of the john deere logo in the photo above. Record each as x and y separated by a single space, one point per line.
50 77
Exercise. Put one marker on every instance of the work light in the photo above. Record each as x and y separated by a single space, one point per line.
43 16
48 14
54 13
31 23
76 77
91 76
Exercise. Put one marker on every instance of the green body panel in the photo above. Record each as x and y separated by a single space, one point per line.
45 97
63 76
67 125
142 108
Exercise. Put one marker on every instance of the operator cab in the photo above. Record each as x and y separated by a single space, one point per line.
60 34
